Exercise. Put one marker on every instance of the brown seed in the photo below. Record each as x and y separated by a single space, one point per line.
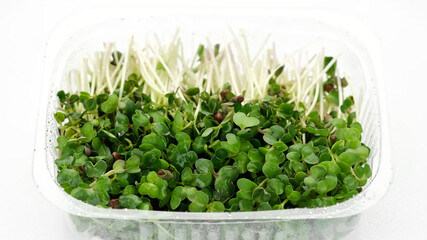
164 174
239 98
329 87
160 173
116 156
219 117
87 151
224 94
114 203
83 168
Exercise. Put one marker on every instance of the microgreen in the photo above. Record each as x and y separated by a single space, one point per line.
206 147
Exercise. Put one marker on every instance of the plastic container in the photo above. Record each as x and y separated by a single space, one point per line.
87 31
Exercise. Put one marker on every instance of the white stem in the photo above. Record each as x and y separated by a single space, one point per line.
125 65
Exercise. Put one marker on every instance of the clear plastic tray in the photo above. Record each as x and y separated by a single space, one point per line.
87 31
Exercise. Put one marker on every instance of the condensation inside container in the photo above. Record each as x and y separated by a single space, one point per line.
305 229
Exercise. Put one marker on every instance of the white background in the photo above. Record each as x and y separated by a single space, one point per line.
400 26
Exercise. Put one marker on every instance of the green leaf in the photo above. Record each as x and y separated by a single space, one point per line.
103 184
293 156
245 205
351 134
64 162
88 132
192 91
176 197
318 172
149 189
216 207
295 197
261 195
229 172
129 201
111 104
119 166
140 119
274 132
346 160
204 165
204 180
178 122
243 121
184 142
196 207
95 170
357 126
271 169
200 50
155 140
162 186
276 185
132 164
207 132
310 182
327 184
339 123
198 197
70 176
62 141
188 178
275 157
101 148
245 184
242 162
331 167
351 182
331 71
86 195
311 159
160 128
264 206
59 117
286 110
269 139
80 159
122 123
232 144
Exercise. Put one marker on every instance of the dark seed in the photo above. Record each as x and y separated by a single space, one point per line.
116 156
329 87
164 174
87 151
219 117
224 94
114 203
83 168
239 98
